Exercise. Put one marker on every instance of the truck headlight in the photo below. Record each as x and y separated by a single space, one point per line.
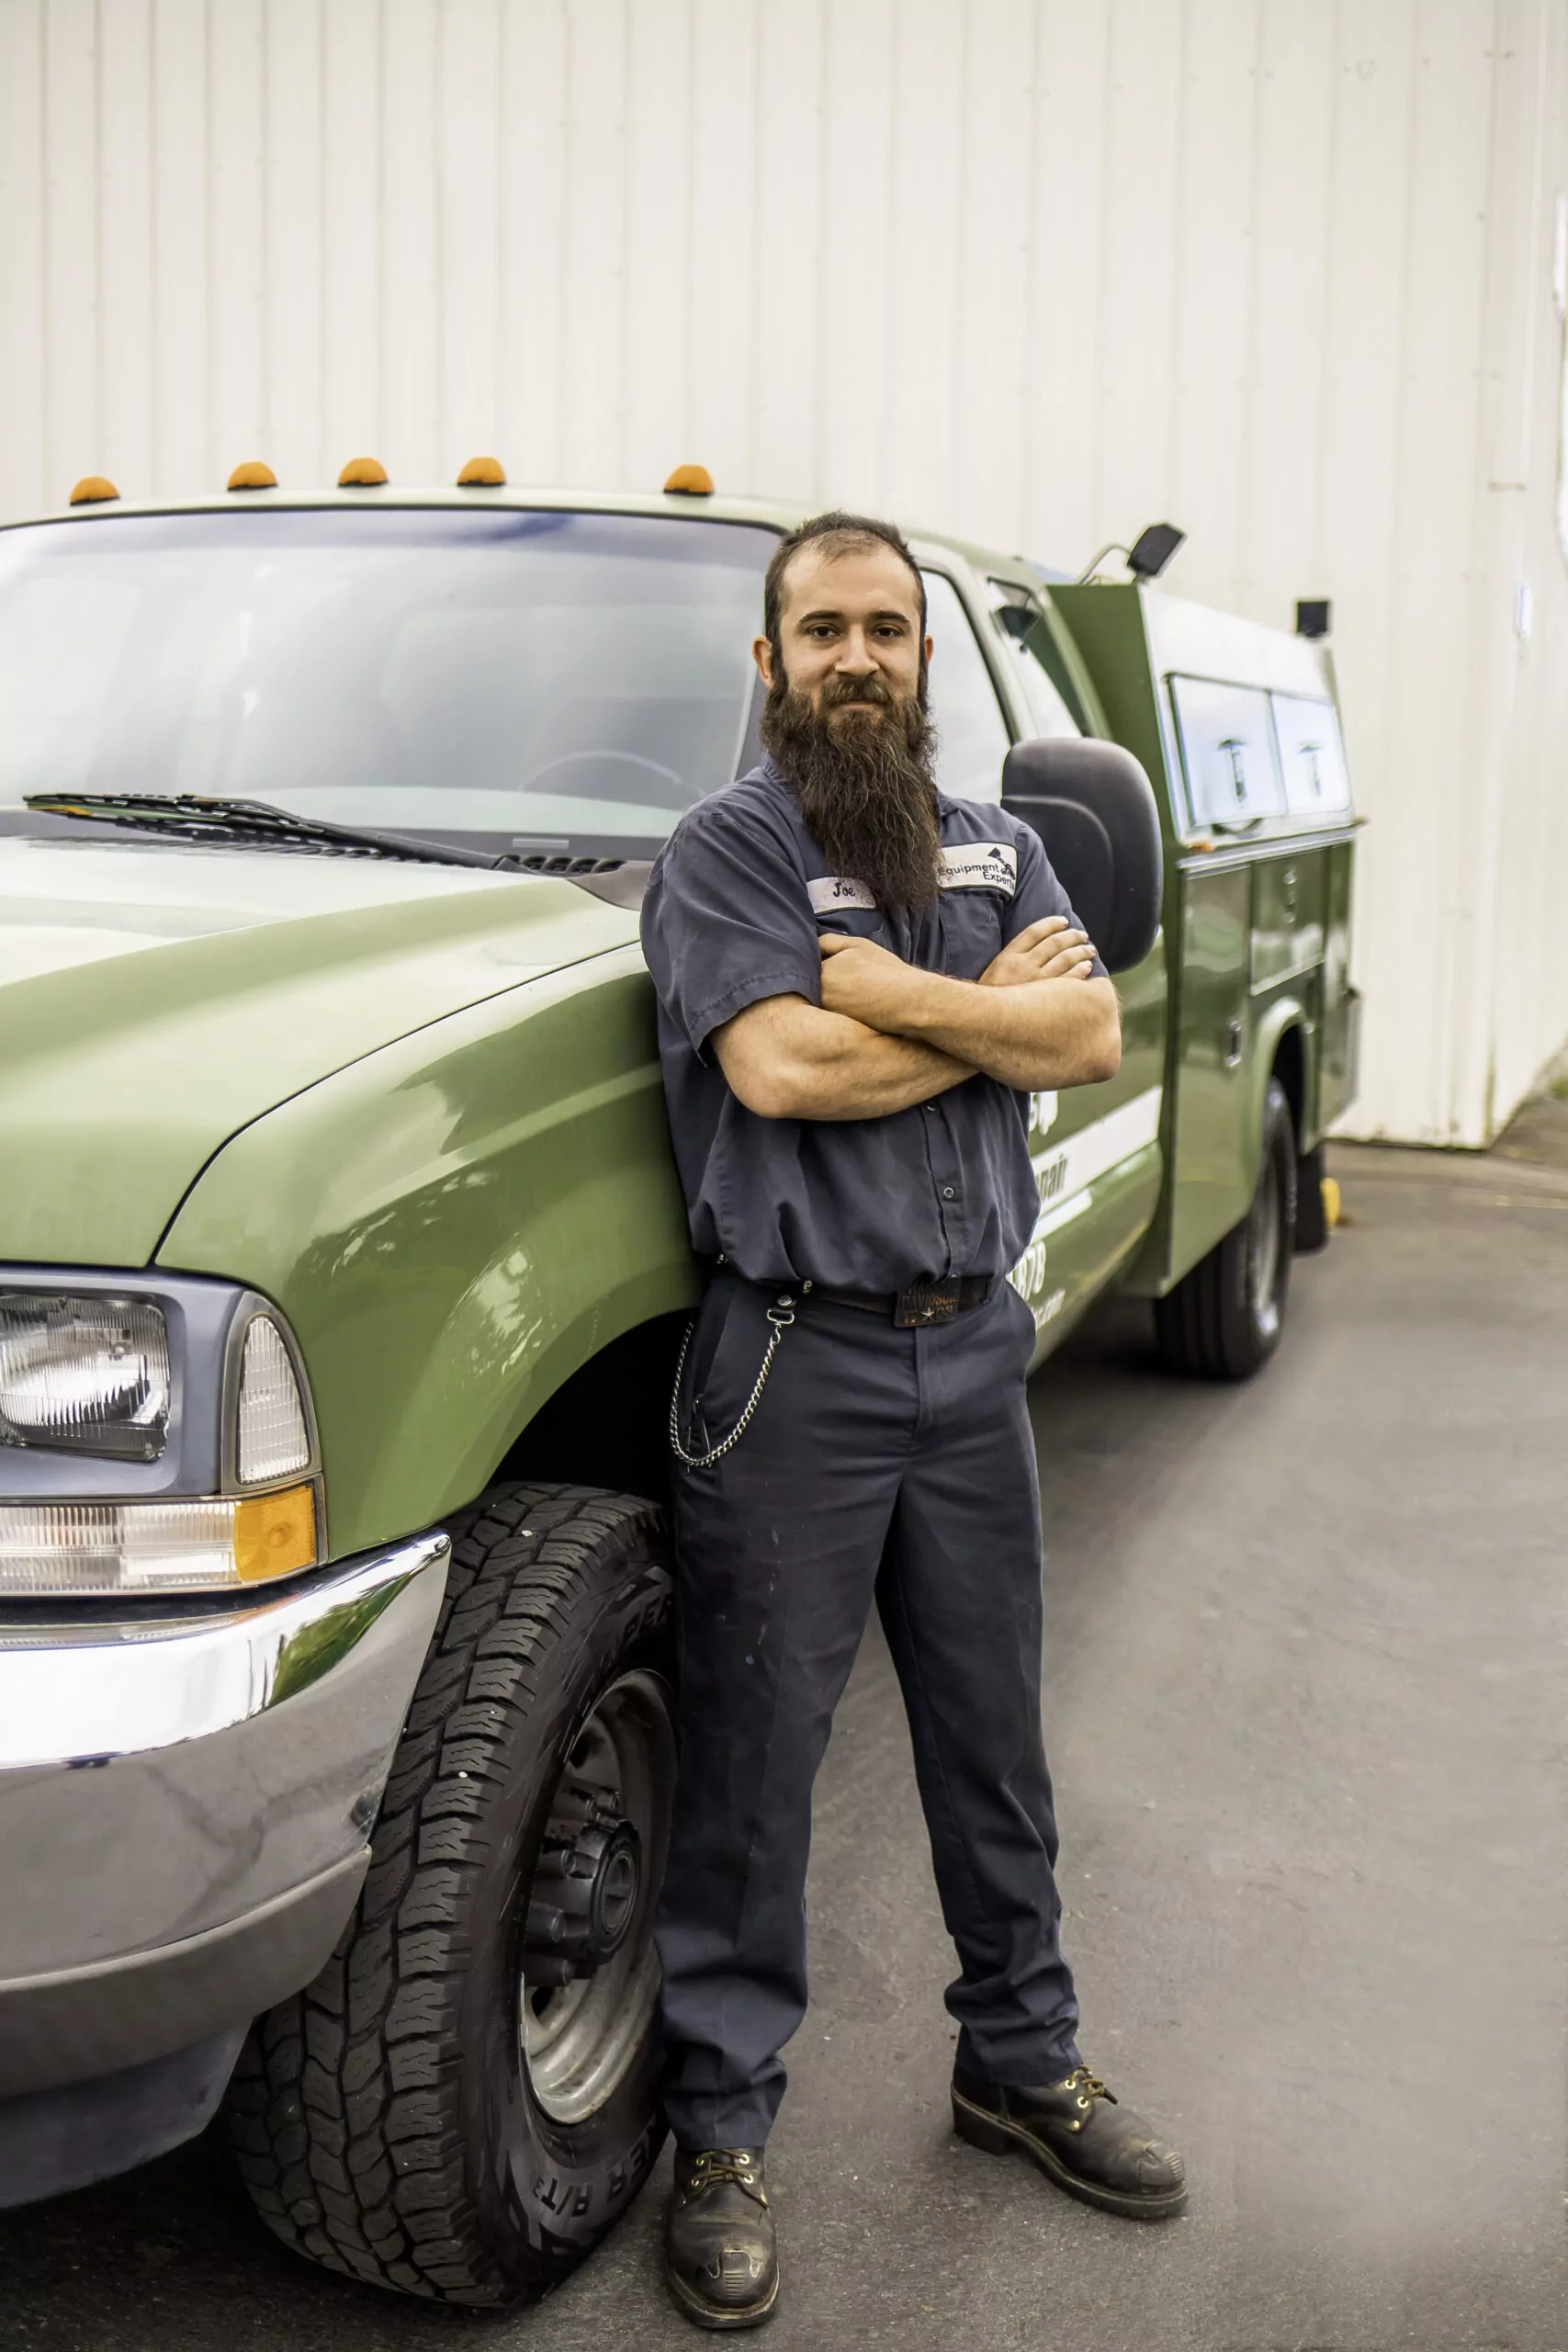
156 1436
89 1374
218 1544
273 1438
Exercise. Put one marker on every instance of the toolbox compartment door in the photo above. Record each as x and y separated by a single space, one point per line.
1212 1171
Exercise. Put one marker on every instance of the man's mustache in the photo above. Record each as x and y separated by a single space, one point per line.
838 691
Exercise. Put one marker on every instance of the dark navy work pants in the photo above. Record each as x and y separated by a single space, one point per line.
885 1463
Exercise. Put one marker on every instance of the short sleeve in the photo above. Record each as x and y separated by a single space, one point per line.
726 921
1039 893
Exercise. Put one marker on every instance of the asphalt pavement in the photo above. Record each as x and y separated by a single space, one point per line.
1308 1657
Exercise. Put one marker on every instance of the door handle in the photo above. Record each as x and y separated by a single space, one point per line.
1232 1045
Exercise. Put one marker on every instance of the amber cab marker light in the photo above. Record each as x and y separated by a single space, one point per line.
691 481
92 490
252 475
362 473
482 473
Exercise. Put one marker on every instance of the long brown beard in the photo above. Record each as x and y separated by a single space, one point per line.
864 784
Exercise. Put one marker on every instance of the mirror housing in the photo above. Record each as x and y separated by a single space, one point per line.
1094 809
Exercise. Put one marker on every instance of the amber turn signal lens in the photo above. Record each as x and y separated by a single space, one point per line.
362 473
691 481
254 474
482 473
274 1535
92 490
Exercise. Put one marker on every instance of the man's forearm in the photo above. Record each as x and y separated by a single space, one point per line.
803 1063
1043 1033
866 1075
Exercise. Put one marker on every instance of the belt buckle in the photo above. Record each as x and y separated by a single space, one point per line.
922 1302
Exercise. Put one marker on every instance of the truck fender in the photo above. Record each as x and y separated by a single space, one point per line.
1284 1019
453 1225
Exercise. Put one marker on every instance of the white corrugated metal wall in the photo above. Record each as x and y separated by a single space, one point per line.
1038 270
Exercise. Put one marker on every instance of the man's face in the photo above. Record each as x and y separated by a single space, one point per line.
850 634
846 720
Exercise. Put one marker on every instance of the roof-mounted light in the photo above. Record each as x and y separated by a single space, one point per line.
252 475
482 473
691 481
1147 556
92 489
362 473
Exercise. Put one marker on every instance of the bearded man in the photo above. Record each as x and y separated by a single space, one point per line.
859 981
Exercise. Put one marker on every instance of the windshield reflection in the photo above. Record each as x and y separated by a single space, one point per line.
529 680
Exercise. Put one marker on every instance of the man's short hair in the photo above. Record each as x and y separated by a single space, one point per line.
836 533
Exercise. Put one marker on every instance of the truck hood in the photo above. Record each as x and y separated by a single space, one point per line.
154 999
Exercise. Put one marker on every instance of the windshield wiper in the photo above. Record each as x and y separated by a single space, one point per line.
191 817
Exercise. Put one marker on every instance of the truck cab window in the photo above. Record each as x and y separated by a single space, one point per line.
972 733
1048 714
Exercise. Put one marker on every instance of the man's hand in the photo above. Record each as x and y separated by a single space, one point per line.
1048 950
867 983
1028 1032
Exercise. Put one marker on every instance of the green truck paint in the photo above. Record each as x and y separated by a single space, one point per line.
418 1107
412 1111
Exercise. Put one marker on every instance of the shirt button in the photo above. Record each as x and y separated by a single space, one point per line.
948 1194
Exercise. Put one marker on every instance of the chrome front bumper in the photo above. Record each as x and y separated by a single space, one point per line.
185 1806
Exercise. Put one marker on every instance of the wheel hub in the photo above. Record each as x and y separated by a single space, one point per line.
586 1885
582 2023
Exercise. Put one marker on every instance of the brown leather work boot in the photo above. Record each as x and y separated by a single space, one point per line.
720 2260
1081 2137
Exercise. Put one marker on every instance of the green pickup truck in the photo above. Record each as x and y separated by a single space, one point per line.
343 1270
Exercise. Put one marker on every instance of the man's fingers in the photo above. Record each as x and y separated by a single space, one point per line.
829 942
1040 951
1071 964
1050 953
1034 932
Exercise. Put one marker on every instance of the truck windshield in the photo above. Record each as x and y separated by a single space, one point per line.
513 680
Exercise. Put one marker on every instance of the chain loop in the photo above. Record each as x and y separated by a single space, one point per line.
781 1316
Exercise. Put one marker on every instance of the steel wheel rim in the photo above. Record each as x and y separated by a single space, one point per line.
579 2041
1264 1249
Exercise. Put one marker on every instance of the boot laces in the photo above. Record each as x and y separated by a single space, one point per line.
711 2166
1088 2088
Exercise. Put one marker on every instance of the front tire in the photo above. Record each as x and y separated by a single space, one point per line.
1223 1321
440 2112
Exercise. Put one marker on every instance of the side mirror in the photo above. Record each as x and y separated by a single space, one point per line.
1093 808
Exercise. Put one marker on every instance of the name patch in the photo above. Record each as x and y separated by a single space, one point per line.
981 866
830 891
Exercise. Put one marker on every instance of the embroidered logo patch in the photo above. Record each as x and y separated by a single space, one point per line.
830 891
981 866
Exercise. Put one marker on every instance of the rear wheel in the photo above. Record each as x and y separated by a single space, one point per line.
466 2098
1223 1321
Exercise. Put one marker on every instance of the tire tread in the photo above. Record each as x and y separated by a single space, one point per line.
344 2110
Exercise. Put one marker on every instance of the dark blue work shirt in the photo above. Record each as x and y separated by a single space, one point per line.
734 904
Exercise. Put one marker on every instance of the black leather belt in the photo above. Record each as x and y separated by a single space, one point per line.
918 1303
